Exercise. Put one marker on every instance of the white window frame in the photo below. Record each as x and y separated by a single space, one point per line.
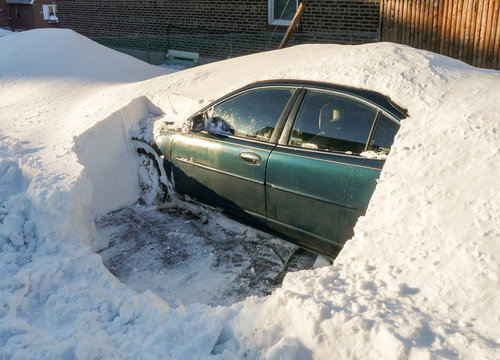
49 9
272 20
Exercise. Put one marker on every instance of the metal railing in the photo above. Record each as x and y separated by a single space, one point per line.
153 48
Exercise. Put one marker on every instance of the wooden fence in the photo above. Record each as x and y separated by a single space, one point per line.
468 30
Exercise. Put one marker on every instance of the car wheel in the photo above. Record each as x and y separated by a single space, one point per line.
153 184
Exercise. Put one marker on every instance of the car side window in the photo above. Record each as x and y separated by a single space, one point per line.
253 114
384 135
332 122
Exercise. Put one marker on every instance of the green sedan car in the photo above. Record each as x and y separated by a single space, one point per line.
295 157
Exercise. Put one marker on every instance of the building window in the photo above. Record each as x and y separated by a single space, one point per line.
49 13
281 12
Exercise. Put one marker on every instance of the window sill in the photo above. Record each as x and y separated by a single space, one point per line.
280 22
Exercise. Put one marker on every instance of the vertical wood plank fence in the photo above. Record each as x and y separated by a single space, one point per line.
468 30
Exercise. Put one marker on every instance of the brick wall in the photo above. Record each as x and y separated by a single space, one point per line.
4 14
22 16
25 17
342 21
341 15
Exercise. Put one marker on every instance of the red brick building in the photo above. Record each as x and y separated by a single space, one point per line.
4 14
118 17
28 14
231 27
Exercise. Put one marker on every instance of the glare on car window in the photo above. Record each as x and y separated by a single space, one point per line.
253 114
331 122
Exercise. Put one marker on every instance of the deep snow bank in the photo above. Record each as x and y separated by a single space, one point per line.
101 148
421 276
4 32
420 279
54 53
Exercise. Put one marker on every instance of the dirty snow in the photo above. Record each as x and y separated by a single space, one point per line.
193 254
419 280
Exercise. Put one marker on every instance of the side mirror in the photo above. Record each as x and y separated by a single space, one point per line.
217 126
197 122
214 126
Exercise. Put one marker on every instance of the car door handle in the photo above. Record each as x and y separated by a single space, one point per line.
251 158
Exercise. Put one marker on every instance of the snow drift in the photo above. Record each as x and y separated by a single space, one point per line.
4 32
39 55
420 278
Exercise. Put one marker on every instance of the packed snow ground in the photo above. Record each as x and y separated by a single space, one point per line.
194 254
419 280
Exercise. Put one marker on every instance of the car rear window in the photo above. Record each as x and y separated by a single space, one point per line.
384 135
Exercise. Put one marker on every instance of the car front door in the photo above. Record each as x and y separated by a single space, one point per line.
226 163
317 184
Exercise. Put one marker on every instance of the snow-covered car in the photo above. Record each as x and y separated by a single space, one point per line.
299 158
420 278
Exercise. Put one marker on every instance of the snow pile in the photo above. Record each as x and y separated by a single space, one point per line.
419 280
71 55
4 32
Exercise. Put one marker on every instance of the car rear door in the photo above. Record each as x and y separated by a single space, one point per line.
226 165
317 184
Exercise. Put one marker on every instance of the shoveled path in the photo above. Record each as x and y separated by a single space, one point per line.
192 254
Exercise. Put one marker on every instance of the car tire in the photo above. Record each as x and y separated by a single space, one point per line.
153 184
